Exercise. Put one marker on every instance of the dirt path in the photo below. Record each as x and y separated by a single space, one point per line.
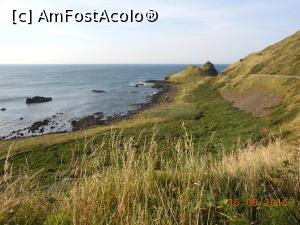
276 76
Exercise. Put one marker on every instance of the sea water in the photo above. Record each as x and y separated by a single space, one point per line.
71 87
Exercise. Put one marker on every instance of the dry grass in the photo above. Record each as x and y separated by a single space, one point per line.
255 161
135 182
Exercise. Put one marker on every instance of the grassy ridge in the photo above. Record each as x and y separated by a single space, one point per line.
282 58
276 71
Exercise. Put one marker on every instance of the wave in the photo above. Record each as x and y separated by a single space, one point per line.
140 83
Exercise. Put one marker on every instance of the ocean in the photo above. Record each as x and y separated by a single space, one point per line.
71 87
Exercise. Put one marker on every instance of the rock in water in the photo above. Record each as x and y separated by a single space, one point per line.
88 121
139 85
38 99
209 69
38 126
98 91
3 109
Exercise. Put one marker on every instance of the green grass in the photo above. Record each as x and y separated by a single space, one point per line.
130 183
219 123
176 163
283 118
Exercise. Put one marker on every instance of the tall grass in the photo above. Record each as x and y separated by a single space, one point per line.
136 181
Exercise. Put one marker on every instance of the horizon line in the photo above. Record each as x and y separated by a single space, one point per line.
4 64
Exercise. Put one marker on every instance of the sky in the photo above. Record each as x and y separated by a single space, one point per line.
187 32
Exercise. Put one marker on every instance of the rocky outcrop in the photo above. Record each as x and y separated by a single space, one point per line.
38 99
3 109
88 121
209 69
156 83
39 126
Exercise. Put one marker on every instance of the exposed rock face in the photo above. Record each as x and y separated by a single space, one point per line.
209 69
38 99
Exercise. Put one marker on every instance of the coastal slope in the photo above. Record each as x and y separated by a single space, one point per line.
266 84
282 58
189 158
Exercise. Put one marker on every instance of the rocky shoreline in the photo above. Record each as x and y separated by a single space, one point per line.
52 125
163 87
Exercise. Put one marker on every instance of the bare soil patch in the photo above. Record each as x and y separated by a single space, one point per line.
256 100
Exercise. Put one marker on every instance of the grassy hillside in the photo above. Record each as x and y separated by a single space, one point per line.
211 152
169 164
266 84
132 183
276 99
282 58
